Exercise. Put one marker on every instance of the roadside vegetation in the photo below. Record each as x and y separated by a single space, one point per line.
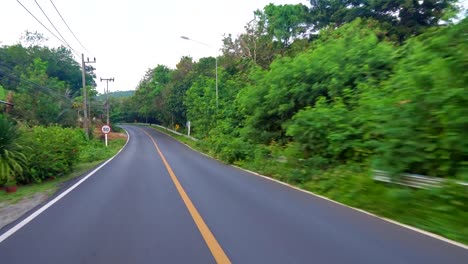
319 96
315 95
440 210
42 158
42 143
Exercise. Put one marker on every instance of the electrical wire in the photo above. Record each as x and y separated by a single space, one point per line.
69 27
43 88
76 53
56 30
33 84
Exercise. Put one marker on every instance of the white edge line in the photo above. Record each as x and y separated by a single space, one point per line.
427 233
28 219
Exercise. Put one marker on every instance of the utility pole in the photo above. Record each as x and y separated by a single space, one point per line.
107 96
217 105
85 101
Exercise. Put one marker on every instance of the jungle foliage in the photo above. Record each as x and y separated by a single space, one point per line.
321 96
378 83
40 90
44 84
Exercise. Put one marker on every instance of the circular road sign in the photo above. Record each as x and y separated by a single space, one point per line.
105 129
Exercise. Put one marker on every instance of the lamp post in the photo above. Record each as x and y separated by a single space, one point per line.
216 64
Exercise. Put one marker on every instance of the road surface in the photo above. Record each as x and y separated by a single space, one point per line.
160 202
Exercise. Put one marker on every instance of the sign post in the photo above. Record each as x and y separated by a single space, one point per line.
188 128
105 129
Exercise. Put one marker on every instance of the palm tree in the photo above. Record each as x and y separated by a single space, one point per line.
12 161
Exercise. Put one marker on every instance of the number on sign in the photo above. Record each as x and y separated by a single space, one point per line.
105 129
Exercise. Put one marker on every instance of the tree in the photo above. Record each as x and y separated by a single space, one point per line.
401 18
42 100
286 22
12 160
337 64
424 108
201 105
151 94
181 81
255 46
32 39
60 64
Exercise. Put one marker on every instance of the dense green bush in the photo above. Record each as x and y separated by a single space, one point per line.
334 67
92 151
52 151
95 150
325 132
425 110
228 147
413 121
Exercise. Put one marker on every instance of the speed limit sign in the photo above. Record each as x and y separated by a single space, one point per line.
105 129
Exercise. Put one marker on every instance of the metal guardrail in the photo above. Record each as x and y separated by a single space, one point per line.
411 180
177 133
6 103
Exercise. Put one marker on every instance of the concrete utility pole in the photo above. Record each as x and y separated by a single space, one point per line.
217 104
85 101
107 96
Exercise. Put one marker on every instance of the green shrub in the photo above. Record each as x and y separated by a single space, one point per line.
426 114
52 151
94 150
325 132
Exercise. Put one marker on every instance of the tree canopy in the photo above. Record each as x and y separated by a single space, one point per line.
46 83
336 82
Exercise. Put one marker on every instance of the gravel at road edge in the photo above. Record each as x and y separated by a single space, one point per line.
10 212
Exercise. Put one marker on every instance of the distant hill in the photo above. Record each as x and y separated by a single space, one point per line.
118 94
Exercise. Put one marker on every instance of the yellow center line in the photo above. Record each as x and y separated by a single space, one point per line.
216 250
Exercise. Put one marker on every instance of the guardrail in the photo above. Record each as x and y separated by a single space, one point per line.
411 180
165 128
177 133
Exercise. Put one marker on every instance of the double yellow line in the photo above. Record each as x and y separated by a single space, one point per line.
216 250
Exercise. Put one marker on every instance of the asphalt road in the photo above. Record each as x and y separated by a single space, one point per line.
188 208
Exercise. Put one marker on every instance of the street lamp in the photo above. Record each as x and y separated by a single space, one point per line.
216 62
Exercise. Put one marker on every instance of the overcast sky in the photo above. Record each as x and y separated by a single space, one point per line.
129 36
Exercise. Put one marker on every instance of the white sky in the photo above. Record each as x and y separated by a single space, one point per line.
129 36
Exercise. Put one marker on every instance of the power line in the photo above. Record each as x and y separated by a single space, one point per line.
76 53
33 84
38 86
68 27
44 89
56 30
